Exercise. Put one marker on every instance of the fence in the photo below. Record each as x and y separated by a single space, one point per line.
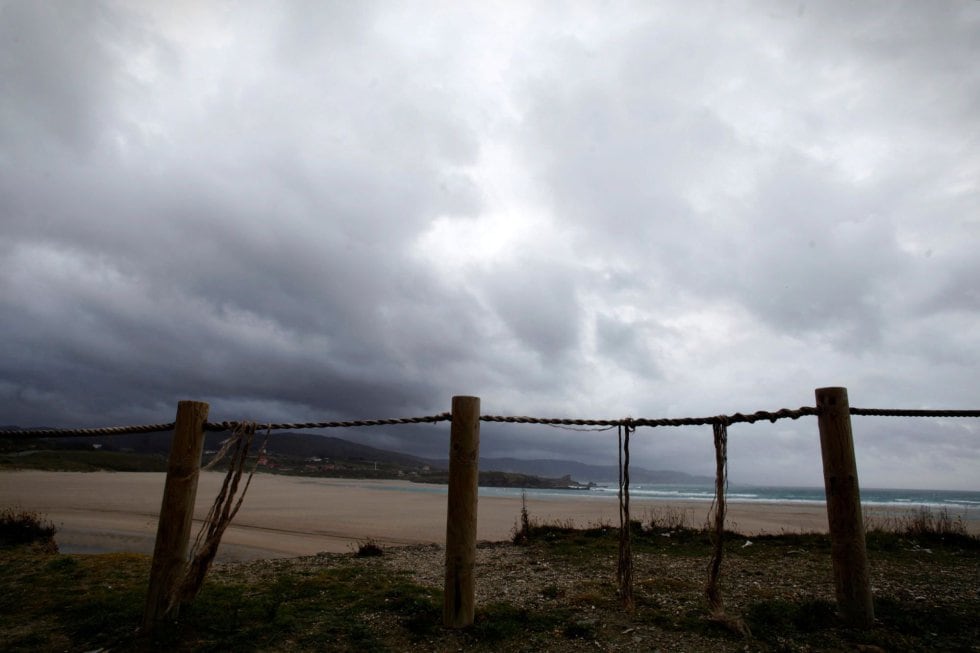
848 551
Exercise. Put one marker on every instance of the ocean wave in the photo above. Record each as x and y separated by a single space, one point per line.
905 499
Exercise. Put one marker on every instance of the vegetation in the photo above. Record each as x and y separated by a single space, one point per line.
522 532
301 458
923 527
508 479
81 460
554 592
25 527
369 549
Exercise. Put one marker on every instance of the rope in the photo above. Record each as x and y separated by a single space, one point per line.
711 590
231 426
772 416
602 424
25 434
898 412
718 506
222 512
213 426
624 568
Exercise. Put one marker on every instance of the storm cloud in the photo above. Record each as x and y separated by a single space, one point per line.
307 212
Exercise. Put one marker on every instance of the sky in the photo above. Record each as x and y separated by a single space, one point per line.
303 211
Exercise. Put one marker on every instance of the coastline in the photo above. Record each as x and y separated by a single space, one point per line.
290 516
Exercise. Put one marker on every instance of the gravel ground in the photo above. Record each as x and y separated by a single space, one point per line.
785 592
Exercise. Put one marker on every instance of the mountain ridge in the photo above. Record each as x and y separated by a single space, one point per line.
301 444
586 472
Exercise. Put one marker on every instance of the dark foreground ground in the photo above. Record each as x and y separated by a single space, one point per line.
556 592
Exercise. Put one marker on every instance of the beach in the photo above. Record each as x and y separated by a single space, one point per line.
289 516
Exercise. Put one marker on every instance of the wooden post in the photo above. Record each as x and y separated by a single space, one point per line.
848 548
464 454
176 511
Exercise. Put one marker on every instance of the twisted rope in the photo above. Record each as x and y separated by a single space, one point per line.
898 412
595 424
719 507
222 512
624 567
81 433
772 416
231 426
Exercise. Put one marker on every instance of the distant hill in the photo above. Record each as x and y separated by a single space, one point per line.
585 473
307 445
300 445
292 444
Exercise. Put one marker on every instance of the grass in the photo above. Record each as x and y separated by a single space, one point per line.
667 519
85 602
80 460
925 589
922 527
781 586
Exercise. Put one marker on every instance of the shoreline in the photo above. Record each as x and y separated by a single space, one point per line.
291 516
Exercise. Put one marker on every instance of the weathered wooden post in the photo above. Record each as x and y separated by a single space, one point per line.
464 454
177 510
848 549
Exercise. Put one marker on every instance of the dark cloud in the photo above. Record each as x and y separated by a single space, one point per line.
352 212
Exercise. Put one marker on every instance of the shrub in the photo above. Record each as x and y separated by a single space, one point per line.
24 527
923 525
368 549
910 524
667 518
522 534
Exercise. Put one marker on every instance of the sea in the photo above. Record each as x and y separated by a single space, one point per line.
960 502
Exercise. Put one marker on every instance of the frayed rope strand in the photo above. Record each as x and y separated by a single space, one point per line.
718 507
222 511
624 568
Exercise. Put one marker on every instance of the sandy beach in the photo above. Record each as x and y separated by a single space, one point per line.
286 516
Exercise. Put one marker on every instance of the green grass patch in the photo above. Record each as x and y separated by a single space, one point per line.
72 460
84 602
89 601
778 618
330 608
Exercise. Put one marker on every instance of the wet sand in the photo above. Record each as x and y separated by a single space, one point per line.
287 516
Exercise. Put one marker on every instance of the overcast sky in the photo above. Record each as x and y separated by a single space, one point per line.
299 211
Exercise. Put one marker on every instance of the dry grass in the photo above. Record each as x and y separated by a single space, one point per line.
919 523
668 518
